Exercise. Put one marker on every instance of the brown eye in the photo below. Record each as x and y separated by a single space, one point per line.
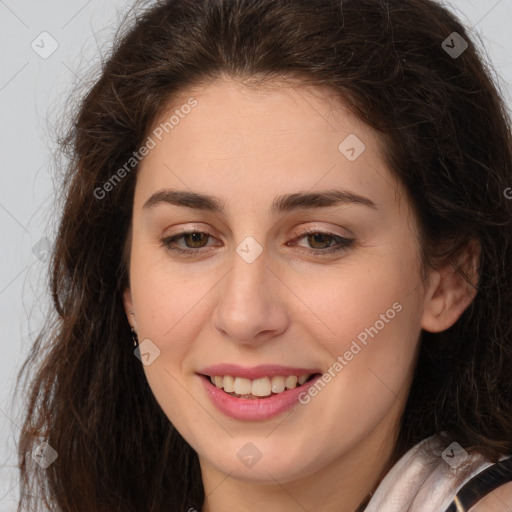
319 243
318 240
194 240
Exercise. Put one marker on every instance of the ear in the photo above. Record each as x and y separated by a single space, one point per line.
448 293
128 307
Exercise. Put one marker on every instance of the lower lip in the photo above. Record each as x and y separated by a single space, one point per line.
257 408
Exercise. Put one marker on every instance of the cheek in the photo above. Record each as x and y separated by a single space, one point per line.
372 360
170 313
362 300
167 296
370 328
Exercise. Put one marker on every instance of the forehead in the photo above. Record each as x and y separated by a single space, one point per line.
229 105
280 137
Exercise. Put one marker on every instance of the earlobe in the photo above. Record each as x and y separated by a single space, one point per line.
449 294
128 308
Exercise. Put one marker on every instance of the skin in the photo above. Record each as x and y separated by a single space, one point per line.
247 146
499 500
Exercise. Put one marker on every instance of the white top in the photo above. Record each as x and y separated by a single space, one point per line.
423 481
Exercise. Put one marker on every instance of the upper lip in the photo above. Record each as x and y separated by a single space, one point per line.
256 372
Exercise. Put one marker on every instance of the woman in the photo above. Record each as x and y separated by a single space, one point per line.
298 211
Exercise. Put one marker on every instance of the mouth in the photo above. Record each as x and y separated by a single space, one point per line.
260 388
258 393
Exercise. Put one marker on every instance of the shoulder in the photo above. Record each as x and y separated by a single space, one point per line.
500 500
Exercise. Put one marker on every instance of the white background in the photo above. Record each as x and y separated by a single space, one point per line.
33 91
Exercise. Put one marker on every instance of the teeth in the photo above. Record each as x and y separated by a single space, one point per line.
261 387
291 382
277 384
242 386
302 379
229 384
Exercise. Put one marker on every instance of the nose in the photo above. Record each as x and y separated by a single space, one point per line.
251 308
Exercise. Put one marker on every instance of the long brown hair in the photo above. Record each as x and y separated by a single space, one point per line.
447 134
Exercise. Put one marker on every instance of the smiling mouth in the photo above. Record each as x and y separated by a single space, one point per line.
264 387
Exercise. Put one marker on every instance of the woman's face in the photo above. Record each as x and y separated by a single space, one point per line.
256 291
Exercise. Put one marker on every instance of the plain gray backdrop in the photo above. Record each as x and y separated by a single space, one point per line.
46 48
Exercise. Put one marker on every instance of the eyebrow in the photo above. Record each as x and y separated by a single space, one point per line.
281 204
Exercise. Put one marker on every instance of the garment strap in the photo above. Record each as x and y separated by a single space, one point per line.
481 485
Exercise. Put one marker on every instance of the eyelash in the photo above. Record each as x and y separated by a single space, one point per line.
343 245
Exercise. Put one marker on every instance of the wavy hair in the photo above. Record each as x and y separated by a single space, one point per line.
448 141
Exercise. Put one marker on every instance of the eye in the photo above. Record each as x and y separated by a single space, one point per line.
195 238
195 241
319 238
